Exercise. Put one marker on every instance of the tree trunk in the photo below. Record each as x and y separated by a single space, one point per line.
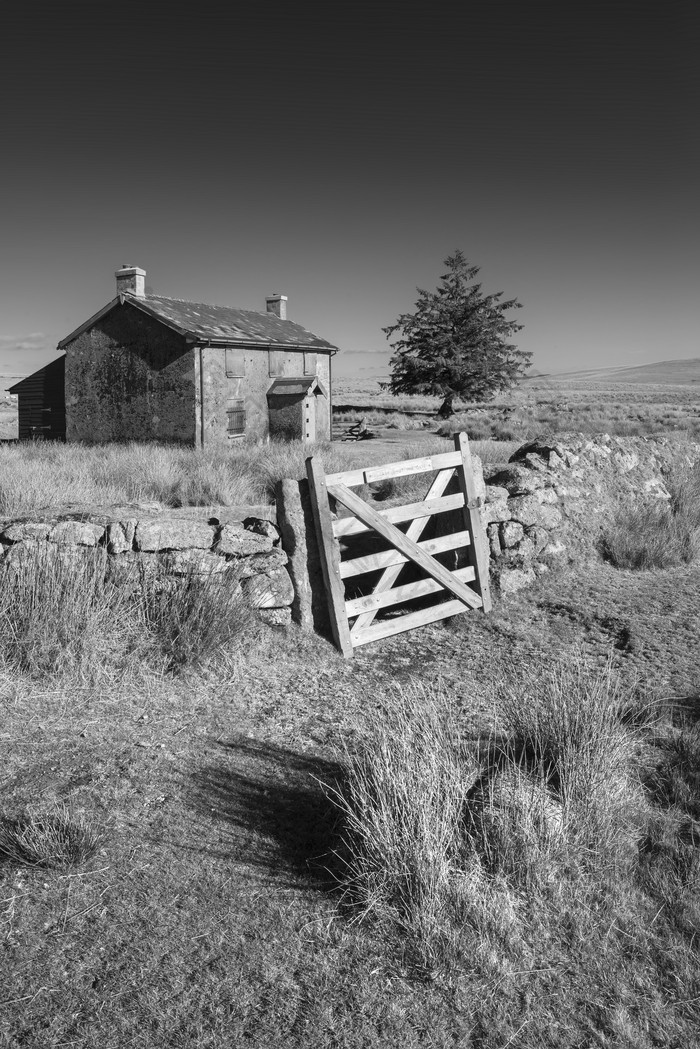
446 410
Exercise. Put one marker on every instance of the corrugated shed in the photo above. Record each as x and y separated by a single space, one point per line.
42 403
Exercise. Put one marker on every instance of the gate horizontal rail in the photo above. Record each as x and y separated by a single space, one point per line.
452 587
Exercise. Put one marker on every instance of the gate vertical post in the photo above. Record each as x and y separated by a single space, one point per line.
329 555
473 520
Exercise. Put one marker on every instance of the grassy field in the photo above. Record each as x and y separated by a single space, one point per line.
40 477
484 833
537 406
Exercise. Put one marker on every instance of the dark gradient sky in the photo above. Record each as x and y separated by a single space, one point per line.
339 153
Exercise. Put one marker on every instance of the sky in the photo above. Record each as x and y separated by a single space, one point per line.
339 153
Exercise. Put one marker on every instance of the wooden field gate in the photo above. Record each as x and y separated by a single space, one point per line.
465 587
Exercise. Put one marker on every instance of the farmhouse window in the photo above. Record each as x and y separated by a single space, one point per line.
235 415
278 361
235 364
310 363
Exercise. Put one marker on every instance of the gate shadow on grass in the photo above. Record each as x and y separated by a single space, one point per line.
271 811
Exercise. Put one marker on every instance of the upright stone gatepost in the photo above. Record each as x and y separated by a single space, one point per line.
295 521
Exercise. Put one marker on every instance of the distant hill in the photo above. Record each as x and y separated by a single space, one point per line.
664 373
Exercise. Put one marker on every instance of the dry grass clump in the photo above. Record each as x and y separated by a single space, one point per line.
41 475
195 616
570 728
657 535
61 614
401 803
55 839
430 825
58 615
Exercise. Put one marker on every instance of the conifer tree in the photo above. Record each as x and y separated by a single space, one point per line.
455 343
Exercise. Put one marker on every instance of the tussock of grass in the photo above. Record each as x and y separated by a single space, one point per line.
568 726
658 535
401 803
429 824
59 614
53 839
193 617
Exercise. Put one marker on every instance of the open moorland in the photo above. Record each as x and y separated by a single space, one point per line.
655 399
483 833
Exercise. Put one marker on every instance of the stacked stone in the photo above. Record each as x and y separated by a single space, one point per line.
555 496
249 550
520 514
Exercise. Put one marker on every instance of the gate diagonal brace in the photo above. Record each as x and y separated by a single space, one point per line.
398 539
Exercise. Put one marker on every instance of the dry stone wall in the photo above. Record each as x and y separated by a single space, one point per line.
137 538
549 504
555 497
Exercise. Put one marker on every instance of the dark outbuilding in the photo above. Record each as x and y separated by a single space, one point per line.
41 403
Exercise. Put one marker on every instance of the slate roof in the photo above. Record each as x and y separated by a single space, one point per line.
217 325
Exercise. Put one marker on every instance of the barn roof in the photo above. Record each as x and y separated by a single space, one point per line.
51 372
217 325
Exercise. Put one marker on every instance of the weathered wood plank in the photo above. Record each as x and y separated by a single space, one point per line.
404 545
389 558
409 622
414 531
329 556
472 519
352 478
398 514
422 587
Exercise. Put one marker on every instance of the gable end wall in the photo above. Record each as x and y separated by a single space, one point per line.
130 378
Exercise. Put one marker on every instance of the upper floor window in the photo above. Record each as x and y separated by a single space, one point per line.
278 362
310 363
235 364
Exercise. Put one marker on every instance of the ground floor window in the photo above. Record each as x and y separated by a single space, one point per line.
235 415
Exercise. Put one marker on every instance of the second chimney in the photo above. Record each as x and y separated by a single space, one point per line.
131 280
277 304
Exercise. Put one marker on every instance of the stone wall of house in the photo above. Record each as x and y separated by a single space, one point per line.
243 542
130 378
260 370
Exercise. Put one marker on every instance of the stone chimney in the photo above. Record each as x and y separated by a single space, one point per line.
131 281
277 304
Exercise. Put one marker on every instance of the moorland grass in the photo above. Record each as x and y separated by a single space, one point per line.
60 614
207 918
39 476
534 408
532 884
658 535
53 837
428 821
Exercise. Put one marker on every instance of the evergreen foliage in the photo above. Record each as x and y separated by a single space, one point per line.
456 344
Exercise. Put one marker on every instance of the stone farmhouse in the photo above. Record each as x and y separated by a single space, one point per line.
150 368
